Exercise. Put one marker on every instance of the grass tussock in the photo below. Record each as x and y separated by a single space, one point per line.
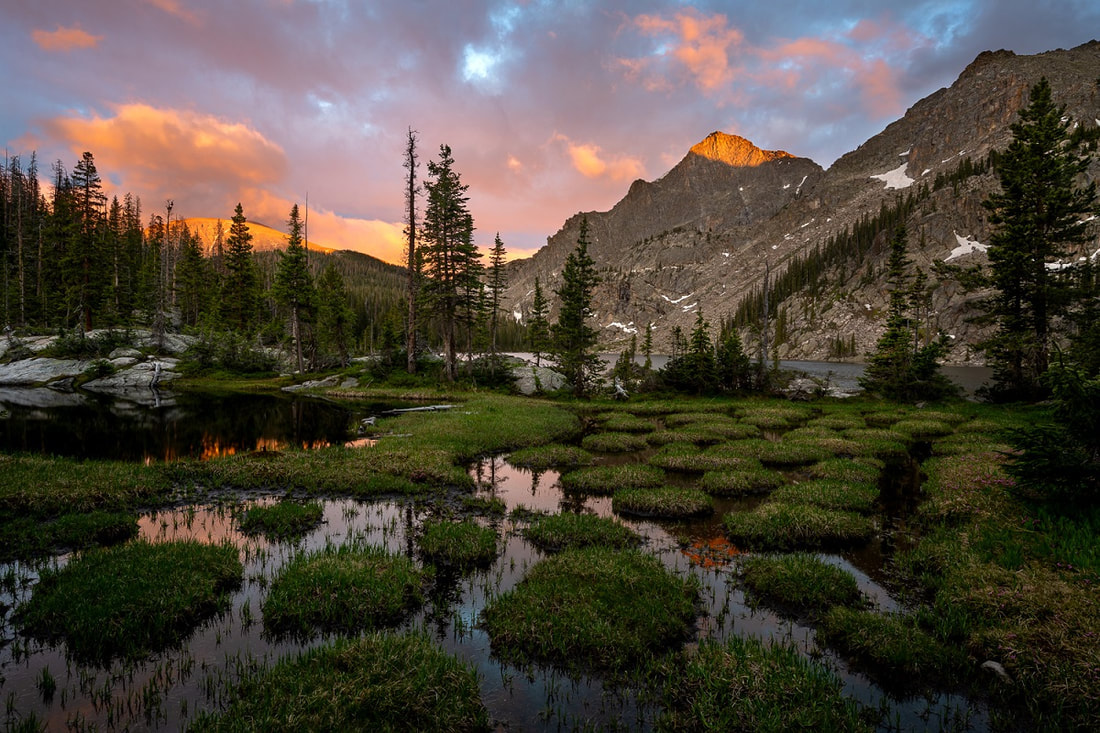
837 422
374 682
742 685
129 600
784 527
593 609
557 532
606 480
554 455
47 487
624 423
346 588
613 443
922 428
741 482
843 469
463 544
688 434
284 520
799 584
24 538
663 503
849 496
687 458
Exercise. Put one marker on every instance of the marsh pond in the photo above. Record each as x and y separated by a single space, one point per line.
514 564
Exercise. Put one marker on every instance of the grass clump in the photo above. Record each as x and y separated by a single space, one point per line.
23 538
844 469
613 442
852 496
783 526
346 588
46 487
680 419
687 458
129 600
799 584
557 532
664 503
624 423
685 435
837 422
741 482
592 609
922 427
487 505
891 648
606 480
786 455
744 686
554 455
457 544
284 520
375 682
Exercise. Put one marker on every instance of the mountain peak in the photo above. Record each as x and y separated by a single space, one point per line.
735 151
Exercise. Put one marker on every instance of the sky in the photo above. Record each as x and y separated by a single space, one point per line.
549 108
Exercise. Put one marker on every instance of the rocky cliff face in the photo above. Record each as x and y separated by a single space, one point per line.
699 237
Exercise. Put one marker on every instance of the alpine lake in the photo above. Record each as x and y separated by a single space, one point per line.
48 683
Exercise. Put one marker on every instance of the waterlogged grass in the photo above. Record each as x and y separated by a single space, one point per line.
374 682
783 526
688 434
46 487
680 419
283 520
346 588
126 601
741 482
851 496
663 503
686 458
613 443
554 455
557 532
922 427
485 505
884 418
24 537
844 469
625 423
593 609
837 422
606 480
892 648
744 686
789 455
880 442
965 488
463 544
799 584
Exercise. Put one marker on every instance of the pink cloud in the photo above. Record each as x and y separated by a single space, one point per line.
590 161
702 45
65 39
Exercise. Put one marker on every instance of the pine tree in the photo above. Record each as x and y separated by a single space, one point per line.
1037 214
241 288
538 327
334 315
647 347
193 278
293 287
498 280
573 340
734 370
85 286
412 260
448 251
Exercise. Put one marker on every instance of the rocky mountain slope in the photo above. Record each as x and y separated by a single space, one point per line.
699 237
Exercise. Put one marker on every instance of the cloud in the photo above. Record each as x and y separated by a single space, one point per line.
65 39
590 161
172 7
702 45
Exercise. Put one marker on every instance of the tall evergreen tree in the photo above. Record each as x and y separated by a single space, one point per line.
448 250
412 260
734 370
538 325
1038 213
573 340
193 278
498 280
241 287
334 315
293 287
85 286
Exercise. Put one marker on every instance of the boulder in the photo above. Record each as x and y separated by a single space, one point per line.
331 381
39 370
531 379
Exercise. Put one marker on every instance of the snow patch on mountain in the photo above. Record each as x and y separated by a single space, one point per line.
896 178
966 246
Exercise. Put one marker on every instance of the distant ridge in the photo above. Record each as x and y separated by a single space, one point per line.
264 238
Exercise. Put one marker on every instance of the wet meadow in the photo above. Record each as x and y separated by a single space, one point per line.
523 564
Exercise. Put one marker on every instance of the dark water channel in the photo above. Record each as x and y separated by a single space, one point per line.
165 691
181 426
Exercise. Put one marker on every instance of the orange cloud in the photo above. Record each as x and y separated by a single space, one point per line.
588 159
172 7
65 39
703 45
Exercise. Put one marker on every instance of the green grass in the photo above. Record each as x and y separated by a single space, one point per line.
613 443
663 503
782 526
554 455
375 682
24 537
799 584
606 480
126 601
624 423
833 445
741 482
773 416
844 469
744 686
837 422
284 520
778 454
892 649
685 435
852 496
680 419
457 544
47 487
347 588
557 532
922 427
485 505
687 458
593 609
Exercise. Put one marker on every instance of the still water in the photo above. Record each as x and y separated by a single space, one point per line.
164 691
